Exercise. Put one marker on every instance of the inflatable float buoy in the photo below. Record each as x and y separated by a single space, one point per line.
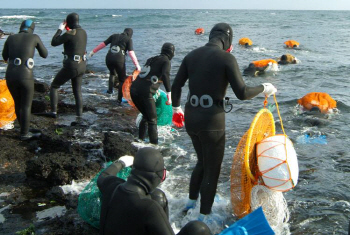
323 101
245 42
260 66
7 107
126 87
291 44
277 163
199 31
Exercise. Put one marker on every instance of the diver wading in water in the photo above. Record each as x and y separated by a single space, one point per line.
137 206
209 70
74 62
115 58
155 72
19 52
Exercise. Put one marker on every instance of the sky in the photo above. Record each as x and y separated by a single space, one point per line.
182 4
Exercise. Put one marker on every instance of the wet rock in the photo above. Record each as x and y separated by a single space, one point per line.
39 105
40 87
117 144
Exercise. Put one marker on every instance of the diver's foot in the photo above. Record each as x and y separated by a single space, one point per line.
110 92
191 204
30 136
48 114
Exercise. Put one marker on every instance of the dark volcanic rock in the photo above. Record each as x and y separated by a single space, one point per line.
117 144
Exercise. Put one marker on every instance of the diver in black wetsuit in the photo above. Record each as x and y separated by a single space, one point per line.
155 72
74 62
209 69
137 206
115 58
19 52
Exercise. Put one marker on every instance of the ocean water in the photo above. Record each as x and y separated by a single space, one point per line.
320 203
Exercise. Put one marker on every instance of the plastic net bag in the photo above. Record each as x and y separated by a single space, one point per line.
89 201
164 112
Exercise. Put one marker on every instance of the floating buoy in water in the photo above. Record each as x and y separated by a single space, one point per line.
199 31
323 101
287 59
291 44
277 163
264 63
245 42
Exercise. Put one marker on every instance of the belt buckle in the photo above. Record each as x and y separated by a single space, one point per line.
206 101
30 63
17 61
77 58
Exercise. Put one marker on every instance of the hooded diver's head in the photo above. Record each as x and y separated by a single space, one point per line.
27 26
168 49
222 32
73 20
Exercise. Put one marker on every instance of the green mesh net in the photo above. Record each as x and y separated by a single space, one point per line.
89 202
164 112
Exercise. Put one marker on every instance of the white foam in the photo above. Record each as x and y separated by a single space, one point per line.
117 15
74 188
17 17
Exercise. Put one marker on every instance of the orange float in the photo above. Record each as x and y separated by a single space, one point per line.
245 42
126 87
7 106
263 63
199 31
318 99
291 43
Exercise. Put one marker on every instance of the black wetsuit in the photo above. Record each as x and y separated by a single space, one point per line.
209 70
115 58
74 43
142 91
19 78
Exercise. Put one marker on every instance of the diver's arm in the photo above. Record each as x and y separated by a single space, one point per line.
112 170
237 83
5 51
58 39
41 48
157 223
165 77
179 82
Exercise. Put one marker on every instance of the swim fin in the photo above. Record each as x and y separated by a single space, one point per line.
254 223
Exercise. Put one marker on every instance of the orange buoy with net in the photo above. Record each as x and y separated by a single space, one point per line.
264 63
126 87
245 42
7 106
199 31
323 101
291 43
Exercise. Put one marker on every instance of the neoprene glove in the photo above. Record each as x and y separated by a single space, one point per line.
127 160
91 53
62 26
168 95
269 89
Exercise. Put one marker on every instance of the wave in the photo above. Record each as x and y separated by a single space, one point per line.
17 17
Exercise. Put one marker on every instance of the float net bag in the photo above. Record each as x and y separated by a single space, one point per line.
244 168
243 41
7 106
278 163
126 87
89 201
263 63
291 43
164 112
318 99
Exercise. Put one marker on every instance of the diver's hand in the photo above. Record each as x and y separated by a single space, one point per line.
168 95
62 25
269 89
127 160
91 53
178 117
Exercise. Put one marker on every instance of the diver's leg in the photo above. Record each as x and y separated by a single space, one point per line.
76 86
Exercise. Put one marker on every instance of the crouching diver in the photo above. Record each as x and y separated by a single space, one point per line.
19 52
115 58
74 61
137 206
155 72
209 70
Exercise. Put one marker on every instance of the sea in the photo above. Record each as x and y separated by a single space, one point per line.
320 202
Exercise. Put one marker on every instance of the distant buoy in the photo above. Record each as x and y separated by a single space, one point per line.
245 42
323 101
199 31
291 43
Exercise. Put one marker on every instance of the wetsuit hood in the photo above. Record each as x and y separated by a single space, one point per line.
148 169
223 33
27 26
168 49
73 20
129 32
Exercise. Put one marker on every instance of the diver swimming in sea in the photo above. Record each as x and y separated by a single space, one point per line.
74 61
155 72
209 70
137 206
115 58
19 52
259 67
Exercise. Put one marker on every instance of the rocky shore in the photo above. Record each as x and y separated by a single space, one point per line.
70 149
